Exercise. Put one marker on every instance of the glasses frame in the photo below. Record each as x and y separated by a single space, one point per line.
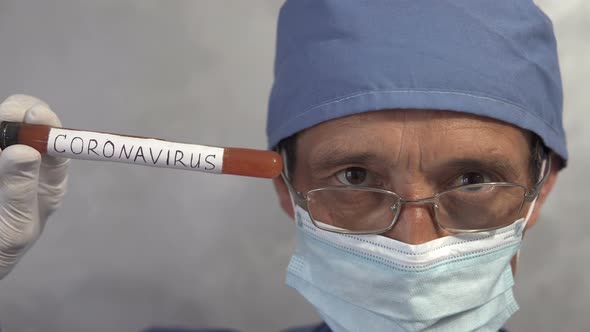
303 199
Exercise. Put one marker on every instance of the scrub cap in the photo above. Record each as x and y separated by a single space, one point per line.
495 58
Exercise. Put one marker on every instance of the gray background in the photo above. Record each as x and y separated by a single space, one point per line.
135 246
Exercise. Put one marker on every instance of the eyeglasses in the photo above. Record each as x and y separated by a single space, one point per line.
468 208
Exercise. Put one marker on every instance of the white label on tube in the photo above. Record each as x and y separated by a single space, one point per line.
79 144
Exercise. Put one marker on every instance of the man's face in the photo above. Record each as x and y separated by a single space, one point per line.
415 153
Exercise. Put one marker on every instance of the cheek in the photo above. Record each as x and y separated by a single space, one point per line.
532 220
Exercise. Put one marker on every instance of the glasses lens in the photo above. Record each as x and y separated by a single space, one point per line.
356 210
477 207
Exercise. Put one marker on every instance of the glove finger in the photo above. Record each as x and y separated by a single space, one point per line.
41 114
50 197
54 170
14 107
19 222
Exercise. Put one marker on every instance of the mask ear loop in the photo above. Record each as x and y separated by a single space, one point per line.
530 211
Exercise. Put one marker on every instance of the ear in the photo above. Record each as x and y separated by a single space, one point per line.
284 196
545 190
547 187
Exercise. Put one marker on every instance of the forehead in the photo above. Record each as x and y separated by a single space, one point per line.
424 135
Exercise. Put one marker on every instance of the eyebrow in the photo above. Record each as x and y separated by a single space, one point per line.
334 158
500 165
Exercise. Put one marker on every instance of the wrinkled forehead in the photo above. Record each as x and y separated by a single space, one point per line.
423 138
423 123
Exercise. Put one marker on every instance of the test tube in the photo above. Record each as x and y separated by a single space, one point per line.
90 145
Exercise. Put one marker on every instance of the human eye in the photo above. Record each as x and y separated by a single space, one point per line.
471 178
356 176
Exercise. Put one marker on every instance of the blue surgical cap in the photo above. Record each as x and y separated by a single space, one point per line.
495 58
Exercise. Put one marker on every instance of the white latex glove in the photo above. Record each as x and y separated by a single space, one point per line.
31 186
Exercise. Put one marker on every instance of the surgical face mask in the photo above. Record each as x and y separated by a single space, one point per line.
373 283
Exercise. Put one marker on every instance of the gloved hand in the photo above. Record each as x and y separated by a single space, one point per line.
31 186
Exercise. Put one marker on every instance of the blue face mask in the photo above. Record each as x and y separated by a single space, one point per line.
373 283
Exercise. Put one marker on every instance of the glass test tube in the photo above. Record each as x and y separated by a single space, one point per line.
89 145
